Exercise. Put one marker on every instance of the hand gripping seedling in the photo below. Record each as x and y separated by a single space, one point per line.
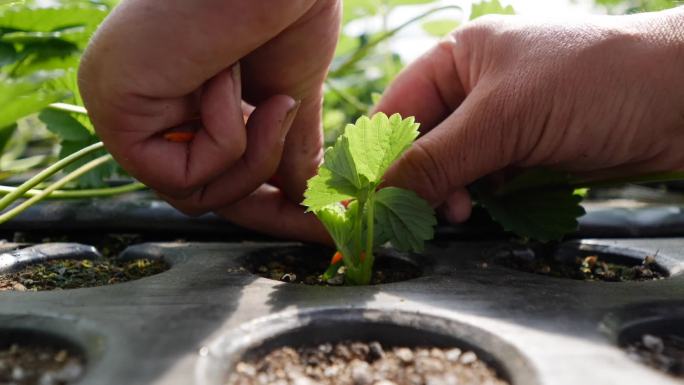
346 198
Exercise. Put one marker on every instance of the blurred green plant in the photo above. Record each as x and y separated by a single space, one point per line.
45 131
43 125
365 62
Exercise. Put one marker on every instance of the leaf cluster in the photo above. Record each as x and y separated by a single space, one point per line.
40 48
352 172
537 204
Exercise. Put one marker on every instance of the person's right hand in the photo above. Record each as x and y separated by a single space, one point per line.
602 97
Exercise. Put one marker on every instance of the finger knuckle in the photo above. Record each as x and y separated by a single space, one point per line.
423 165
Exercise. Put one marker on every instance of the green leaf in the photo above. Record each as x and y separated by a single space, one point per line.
488 7
71 35
376 143
69 83
406 219
440 27
57 16
375 98
64 125
24 96
58 55
5 136
324 189
355 9
534 178
8 54
338 159
545 214
339 221
537 204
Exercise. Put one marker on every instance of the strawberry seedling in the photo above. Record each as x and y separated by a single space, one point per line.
347 198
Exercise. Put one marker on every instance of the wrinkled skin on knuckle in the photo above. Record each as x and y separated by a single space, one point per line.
177 186
423 165
482 46
491 136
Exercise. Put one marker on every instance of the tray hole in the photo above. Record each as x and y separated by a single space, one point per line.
584 262
30 357
657 343
70 266
349 346
305 265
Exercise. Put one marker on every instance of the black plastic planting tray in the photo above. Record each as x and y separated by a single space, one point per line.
191 323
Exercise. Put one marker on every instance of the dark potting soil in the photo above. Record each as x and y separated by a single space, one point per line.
360 363
586 268
665 353
72 274
308 269
28 365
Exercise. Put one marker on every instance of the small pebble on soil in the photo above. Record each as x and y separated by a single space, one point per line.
360 363
309 269
589 268
665 353
26 365
78 273
72 274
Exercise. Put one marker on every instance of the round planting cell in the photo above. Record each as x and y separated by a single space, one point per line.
69 266
47 350
586 262
306 264
355 346
658 343
33 357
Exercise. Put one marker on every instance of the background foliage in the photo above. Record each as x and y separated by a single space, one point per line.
41 42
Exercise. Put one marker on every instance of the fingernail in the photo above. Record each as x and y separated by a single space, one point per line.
237 80
289 119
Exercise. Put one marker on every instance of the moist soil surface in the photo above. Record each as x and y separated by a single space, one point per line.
308 268
585 268
665 353
28 365
73 274
360 363
77 273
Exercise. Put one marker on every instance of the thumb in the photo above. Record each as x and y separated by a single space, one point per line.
464 147
461 141
429 89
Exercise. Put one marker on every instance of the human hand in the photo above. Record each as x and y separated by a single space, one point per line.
601 97
153 67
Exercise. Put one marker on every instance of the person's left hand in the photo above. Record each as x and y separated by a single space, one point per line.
155 66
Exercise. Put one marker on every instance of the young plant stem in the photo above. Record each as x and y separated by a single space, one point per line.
55 186
367 263
362 51
45 174
79 194
358 230
65 107
360 107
